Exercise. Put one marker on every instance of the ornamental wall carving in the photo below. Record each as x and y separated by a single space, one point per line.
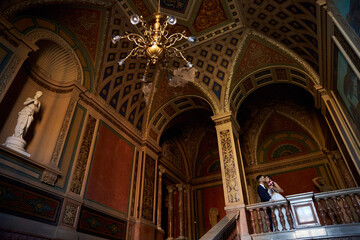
148 192
81 163
232 187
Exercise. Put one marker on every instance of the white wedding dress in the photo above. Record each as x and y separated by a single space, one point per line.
275 196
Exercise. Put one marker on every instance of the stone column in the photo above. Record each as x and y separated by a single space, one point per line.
170 212
186 209
227 130
180 188
159 202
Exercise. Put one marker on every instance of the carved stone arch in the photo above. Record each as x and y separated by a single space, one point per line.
171 109
266 76
250 34
61 54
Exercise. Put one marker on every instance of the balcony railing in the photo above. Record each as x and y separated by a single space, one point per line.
225 229
306 216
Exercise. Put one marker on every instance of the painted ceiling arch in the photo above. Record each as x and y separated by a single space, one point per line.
269 75
207 160
255 54
293 109
171 109
194 132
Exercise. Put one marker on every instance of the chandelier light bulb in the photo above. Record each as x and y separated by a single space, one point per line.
189 64
170 77
191 39
134 19
171 20
115 39
143 79
121 62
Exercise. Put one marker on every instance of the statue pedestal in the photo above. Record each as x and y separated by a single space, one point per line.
16 144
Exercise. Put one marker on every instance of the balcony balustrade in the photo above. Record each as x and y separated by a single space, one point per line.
334 214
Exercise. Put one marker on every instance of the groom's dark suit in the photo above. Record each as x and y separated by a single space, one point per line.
263 193
265 196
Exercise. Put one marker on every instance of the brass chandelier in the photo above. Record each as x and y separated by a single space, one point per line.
155 45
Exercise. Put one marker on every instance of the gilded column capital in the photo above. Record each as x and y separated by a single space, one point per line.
224 118
161 170
170 188
180 186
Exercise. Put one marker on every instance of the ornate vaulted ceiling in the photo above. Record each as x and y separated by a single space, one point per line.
227 62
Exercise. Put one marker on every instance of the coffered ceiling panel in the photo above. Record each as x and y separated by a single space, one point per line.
290 22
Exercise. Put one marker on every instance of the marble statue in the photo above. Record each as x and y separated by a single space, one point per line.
25 118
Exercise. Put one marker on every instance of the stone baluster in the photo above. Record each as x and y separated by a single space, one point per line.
338 210
347 208
281 216
288 216
159 202
330 211
321 211
274 220
252 219
267 220
355 204
170 212
180 188
260 220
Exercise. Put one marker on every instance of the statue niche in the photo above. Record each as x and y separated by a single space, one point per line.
25 118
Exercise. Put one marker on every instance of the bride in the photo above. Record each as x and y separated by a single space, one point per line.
274 191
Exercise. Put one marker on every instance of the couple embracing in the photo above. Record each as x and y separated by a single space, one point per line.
272 194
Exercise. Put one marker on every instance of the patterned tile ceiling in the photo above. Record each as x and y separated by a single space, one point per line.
290 22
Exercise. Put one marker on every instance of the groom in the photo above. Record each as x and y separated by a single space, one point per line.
264 195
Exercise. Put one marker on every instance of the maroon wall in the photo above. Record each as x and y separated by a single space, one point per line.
110 174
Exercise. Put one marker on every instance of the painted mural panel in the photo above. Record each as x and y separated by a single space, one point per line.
110 175
347 86
96 223
350 10
28 202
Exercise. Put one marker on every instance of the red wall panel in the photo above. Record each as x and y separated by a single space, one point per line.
213 197
298 181
110 174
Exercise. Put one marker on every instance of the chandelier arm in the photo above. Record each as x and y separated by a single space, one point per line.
178 53
143 23
174 38
132 53
137 39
